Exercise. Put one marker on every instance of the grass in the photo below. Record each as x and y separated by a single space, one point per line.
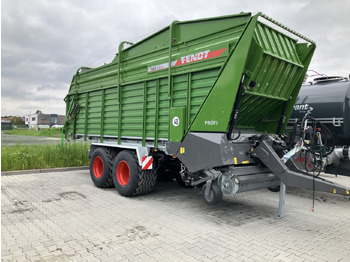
24 157
49 132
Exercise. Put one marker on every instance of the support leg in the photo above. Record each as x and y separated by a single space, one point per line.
281 200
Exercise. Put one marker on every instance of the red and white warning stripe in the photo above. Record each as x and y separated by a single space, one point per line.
147 162
203 55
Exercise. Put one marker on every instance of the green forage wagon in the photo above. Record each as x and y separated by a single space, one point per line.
205 102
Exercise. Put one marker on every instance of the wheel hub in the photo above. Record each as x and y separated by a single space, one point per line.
123 173
98 167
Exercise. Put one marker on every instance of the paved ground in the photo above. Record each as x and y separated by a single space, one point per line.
62 217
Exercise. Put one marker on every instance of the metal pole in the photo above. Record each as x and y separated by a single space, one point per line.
281 200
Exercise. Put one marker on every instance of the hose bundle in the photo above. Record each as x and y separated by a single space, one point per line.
316 138
318 141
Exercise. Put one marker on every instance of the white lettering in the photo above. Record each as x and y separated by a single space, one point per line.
158 67
211 123
195 57
301 107
200 55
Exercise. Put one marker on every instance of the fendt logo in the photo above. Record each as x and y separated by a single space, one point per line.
196 57
302 107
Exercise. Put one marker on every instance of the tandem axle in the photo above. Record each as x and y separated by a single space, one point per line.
218 176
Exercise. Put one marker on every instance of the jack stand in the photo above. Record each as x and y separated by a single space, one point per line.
281 200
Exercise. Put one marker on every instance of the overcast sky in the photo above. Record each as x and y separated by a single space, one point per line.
43 42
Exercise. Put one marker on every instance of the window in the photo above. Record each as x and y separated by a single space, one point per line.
53 119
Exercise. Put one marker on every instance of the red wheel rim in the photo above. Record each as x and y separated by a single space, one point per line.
123 173
98 167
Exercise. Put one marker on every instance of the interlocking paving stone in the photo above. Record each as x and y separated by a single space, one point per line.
62 216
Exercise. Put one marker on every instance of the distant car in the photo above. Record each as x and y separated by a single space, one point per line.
57 126
43 126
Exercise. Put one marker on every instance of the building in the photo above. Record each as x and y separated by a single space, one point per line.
44 120
6 123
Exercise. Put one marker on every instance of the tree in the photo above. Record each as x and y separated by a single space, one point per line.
38 112
17 121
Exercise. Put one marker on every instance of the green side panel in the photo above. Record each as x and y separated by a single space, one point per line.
80 121
149 46
179 94
151 108
270 62
164 105
214 115
201 83
94 109
195 46
111 112
196 66
274 72
70 119
197 51
178 123
132 104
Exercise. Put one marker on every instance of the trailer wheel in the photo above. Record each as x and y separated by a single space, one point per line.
100 168
274 189
215 195
128 178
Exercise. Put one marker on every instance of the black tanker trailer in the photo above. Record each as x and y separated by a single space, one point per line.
327 100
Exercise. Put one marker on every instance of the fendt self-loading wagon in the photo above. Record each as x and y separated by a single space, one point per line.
204 101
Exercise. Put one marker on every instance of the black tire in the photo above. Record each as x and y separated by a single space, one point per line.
274 189
101 168
129 179
215 195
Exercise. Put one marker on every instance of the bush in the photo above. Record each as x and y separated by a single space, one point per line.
23 157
